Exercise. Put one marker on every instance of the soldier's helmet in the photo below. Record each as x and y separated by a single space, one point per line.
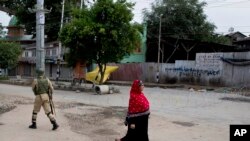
40 72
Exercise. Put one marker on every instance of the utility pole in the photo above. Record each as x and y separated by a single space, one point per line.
159 48
59 57
40 21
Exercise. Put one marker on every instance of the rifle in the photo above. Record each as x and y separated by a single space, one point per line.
51 103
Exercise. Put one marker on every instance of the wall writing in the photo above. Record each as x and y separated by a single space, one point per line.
192 72
209 60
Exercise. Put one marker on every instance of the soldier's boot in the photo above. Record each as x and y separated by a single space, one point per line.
33 125
55 125
34 116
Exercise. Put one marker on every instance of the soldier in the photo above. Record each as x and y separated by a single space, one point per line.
41 87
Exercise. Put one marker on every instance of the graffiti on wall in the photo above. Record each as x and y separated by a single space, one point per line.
192 72
207 64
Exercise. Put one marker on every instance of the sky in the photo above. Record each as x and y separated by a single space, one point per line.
223 13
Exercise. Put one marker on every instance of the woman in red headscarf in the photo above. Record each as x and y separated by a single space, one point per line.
137 116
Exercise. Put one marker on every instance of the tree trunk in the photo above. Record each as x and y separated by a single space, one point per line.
102 68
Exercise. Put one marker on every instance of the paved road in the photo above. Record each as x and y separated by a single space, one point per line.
180 104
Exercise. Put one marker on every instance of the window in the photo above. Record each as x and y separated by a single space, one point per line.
54 52
26 54
48 52
33 53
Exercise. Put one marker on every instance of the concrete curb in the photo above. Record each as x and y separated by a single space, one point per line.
67 86
56 87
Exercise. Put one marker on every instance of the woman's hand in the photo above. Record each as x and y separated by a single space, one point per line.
126 121
132 126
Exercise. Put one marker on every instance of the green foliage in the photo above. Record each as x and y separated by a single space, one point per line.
9 53
52 19
10 6
4 78
139 27
1 31
220 39
183 19
101 34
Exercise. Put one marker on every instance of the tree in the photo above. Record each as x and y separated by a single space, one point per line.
2 33
101 34
9 6
19 8
9 53
182 19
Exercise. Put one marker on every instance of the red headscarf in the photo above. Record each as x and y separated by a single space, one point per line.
138 103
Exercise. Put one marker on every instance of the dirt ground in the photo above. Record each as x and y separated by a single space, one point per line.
190 114
80 122
77 121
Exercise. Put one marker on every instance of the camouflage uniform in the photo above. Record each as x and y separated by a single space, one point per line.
41 86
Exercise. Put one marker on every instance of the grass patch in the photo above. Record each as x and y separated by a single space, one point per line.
4 78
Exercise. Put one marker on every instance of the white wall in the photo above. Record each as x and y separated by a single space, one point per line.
206 69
